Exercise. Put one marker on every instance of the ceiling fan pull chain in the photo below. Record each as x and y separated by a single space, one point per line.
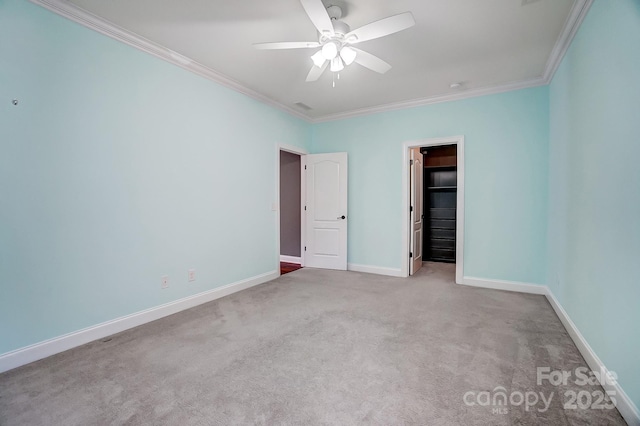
334 79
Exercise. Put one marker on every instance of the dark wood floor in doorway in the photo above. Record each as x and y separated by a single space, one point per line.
285 267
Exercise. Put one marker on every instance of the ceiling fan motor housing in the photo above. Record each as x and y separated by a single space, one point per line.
340 27
334 12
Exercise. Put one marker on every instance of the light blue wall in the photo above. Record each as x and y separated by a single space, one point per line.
117 168
595 186
506 158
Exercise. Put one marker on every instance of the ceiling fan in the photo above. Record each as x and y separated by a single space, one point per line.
336 39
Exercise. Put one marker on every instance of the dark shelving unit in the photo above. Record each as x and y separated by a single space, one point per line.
440 196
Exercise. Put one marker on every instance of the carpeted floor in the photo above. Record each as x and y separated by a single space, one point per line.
317 347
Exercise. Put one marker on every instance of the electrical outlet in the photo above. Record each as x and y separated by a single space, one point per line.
191 274
164 280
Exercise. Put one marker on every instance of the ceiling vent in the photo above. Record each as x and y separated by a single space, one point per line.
526 2
303 106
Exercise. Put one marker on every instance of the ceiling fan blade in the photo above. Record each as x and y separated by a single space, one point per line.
370 61
381 28
316 72
287 45
318 15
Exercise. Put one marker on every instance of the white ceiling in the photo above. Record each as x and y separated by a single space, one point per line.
483 43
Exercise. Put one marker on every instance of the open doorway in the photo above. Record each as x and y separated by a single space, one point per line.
311 209
440 201
433 203
290 222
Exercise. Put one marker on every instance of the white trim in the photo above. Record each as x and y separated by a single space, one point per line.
65 342
460 210
96 23
505 285
453 140
465 94
89 20
624 404
301 152
303 207
572 24
292 149
291 259
378 270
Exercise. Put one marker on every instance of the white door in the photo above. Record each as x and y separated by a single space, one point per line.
416 210
326 211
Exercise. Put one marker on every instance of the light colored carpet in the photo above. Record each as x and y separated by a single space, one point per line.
314 347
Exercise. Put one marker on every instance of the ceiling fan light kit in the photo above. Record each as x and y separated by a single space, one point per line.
336 39
336 64
318 59
329 50
348 55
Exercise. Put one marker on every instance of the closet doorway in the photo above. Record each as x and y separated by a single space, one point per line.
440 199
433 203
290 192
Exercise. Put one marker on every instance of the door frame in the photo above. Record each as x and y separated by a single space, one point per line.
276 207
406 217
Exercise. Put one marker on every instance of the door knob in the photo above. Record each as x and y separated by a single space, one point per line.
342 217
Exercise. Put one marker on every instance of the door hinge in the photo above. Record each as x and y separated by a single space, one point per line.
305 208
305 248
410 255
410 209
411 162
305 167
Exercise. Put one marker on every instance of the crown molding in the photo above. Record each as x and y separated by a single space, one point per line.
572 24
94 22
466 94
70 11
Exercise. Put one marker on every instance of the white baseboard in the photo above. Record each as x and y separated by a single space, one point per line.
391 272
624 404
62 343
26 355
290 259
505 285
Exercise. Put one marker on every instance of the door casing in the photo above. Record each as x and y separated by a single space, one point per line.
406 217
301 152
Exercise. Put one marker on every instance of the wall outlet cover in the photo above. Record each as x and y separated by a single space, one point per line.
164 281
191 274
